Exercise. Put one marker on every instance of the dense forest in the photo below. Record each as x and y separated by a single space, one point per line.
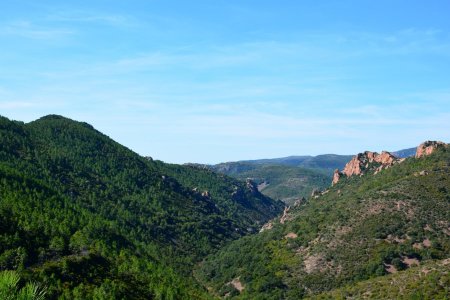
84 217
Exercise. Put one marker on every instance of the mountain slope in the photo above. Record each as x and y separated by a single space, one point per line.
428 281
288 178
286 183
361 228
74 202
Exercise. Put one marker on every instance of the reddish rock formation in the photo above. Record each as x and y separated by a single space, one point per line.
385 158
428 147
336 176
375 162
361 162
353 167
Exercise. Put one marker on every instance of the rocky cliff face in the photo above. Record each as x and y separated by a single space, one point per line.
428 147
363 162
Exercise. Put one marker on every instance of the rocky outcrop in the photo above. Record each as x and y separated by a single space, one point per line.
428 147
298 202
267 226
374 162
316 193
385 158
363 162
285 215
252 186
336 176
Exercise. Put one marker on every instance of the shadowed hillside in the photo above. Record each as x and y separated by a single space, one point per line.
90 218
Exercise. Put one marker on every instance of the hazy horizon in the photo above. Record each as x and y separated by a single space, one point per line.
210 82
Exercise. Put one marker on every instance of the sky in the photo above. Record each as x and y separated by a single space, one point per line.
211 81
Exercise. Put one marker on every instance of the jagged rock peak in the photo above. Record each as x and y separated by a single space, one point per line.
428 147
361 161
364 161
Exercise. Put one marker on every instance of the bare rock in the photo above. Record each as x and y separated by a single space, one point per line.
237 284
285 215
428 147
298 202
291 235
363 161
267 226
336 176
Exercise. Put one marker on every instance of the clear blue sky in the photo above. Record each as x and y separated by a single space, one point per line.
210 81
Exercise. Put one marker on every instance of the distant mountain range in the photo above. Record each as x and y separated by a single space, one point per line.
324 161
291 178
405 152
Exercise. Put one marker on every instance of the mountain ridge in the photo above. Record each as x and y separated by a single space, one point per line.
74 202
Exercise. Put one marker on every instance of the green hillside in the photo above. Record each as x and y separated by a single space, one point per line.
361 229
286 183
289 178
427 281
88 218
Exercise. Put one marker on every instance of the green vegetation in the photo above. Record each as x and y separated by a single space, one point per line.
279 181
287 183
429 281
361 229
9 288
82 217
90 219
324 161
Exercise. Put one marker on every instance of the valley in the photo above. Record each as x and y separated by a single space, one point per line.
83 217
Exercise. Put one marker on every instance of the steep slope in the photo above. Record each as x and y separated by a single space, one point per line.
74 202
237 199
361 228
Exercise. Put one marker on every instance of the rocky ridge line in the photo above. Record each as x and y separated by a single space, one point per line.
372 161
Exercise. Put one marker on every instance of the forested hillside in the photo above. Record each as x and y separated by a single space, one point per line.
345 241
289 178
86 217
285 182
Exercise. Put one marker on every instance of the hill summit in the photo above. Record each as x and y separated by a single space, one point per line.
367 161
